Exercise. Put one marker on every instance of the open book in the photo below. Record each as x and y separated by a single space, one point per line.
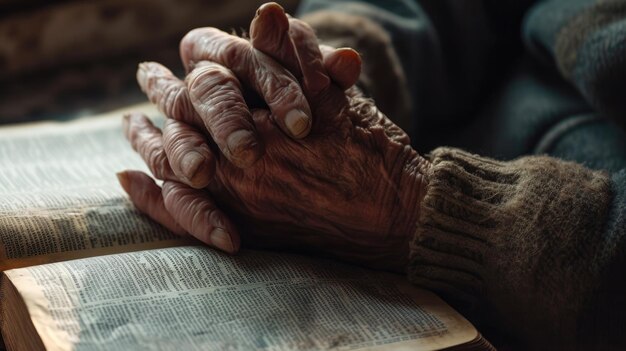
83 270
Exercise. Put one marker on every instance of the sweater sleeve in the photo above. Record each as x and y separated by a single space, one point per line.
428 62
385 40
585 40
527 245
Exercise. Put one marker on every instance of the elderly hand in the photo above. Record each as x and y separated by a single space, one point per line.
211 97
350 189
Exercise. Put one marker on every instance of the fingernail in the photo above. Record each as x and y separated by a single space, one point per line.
270 6
349 51
122 177
221 239
190 163
298 123
243 147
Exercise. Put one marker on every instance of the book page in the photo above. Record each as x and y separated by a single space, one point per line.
60 196
195 298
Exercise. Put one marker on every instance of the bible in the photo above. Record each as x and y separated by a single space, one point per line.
82 269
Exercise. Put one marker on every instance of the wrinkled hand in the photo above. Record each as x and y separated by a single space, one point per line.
211 97
351 188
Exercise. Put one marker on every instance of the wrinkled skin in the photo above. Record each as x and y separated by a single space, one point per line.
349 188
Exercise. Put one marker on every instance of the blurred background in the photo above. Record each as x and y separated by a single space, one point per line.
68 58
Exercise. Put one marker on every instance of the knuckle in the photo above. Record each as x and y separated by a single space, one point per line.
191 208
156 159
179 138
178 105
195 38
174 199
238 50
171 132
201 212
193 34
228 102
207 41
280 89
190 39
170 191
205 78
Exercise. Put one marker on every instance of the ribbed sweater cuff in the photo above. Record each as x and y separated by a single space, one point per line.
456 223
518 235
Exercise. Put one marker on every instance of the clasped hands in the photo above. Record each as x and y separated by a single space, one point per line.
268 141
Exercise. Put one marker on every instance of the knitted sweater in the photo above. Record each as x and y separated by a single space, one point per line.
533 245
527 245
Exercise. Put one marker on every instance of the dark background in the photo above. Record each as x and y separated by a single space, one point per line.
67 58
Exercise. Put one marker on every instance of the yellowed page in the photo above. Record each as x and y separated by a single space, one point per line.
195 298
60 196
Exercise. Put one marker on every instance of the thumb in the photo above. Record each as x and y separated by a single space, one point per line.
343 65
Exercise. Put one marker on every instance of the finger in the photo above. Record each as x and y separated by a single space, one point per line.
216 95
145 194
292 43
280 90
171 96
314 75
197 214
147 140
167 92
343 65
188 154
269 33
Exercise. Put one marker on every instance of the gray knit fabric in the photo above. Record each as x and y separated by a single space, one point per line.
586 39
